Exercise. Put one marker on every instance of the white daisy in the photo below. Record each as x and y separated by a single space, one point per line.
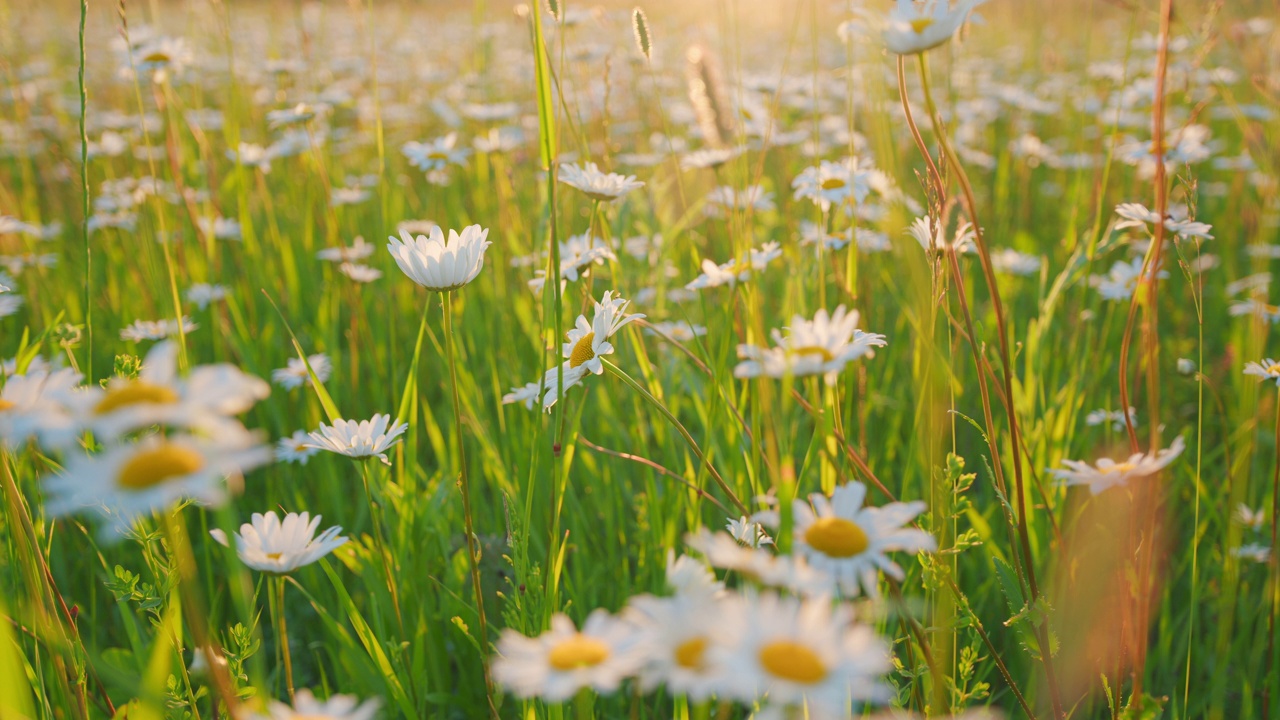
1107 473
437 154
1266 311
156 329
295 448
1255 552
1115 417
206 399
842 538
358 250
557 664
202 294
360 273
933 236
833 183
822 346
736 271
37 405
307 707
1120 282
10 304
126 482
363 439
294 373
1008 260
277 546
804 652
577 255
1249 517
597 185
1268 369
913 27
438 265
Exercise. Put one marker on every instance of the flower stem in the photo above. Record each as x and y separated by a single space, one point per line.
473 553
683 432
582 705
376 516
282 634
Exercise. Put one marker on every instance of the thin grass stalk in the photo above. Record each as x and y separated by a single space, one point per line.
84 207
282 633
464 486
988 270
622 375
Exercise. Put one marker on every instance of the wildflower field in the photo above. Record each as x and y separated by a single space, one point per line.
736 359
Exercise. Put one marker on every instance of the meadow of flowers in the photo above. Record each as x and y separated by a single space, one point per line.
739 359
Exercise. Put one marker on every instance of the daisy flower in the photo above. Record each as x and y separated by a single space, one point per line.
933 236
583 353
913 27
1266 311
437 154
202 294
557 664
360 273
803 652
1120 282
277 546
36 405
724 198
156 329
358 250
363 439
1115 417
822 346
577 255
1255 552
1012 262
10 304
295 448
735 271
833 183
307 707
1249 517
294 373
709 158
598 185
205 399
126 482
1107 473
1268 369
437 265
677 632
842 538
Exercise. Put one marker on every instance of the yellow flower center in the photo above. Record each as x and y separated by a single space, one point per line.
919 25
1117 468
790 660
437 155
6 404
583 350
824 353
832 184
156 57
836 537
577 652
152 467
275 555
1273 369
689 653
136 392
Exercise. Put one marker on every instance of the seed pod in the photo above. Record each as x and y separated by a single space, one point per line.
640 24
556 8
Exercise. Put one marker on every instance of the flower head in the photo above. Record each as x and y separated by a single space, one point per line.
1107 473
822 346
362 439
557 664
913 27
280 546
438 265
596 184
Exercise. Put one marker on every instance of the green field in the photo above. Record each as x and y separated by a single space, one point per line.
815 409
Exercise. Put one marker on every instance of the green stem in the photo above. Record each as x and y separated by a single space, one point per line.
683 432
582 705
282 634
84 188
464 486
375 516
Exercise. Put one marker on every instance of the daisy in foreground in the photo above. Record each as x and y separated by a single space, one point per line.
913 27
1268 369
804 653
583 353
307 707
557 664
841 538
277 546
1107 473
598 185
127 482
362 439
437 265
822 346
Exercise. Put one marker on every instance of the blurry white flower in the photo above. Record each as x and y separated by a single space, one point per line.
914 26
597 185
294 373
557 664
1107 473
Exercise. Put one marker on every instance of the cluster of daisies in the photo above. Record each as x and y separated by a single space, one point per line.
786 640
